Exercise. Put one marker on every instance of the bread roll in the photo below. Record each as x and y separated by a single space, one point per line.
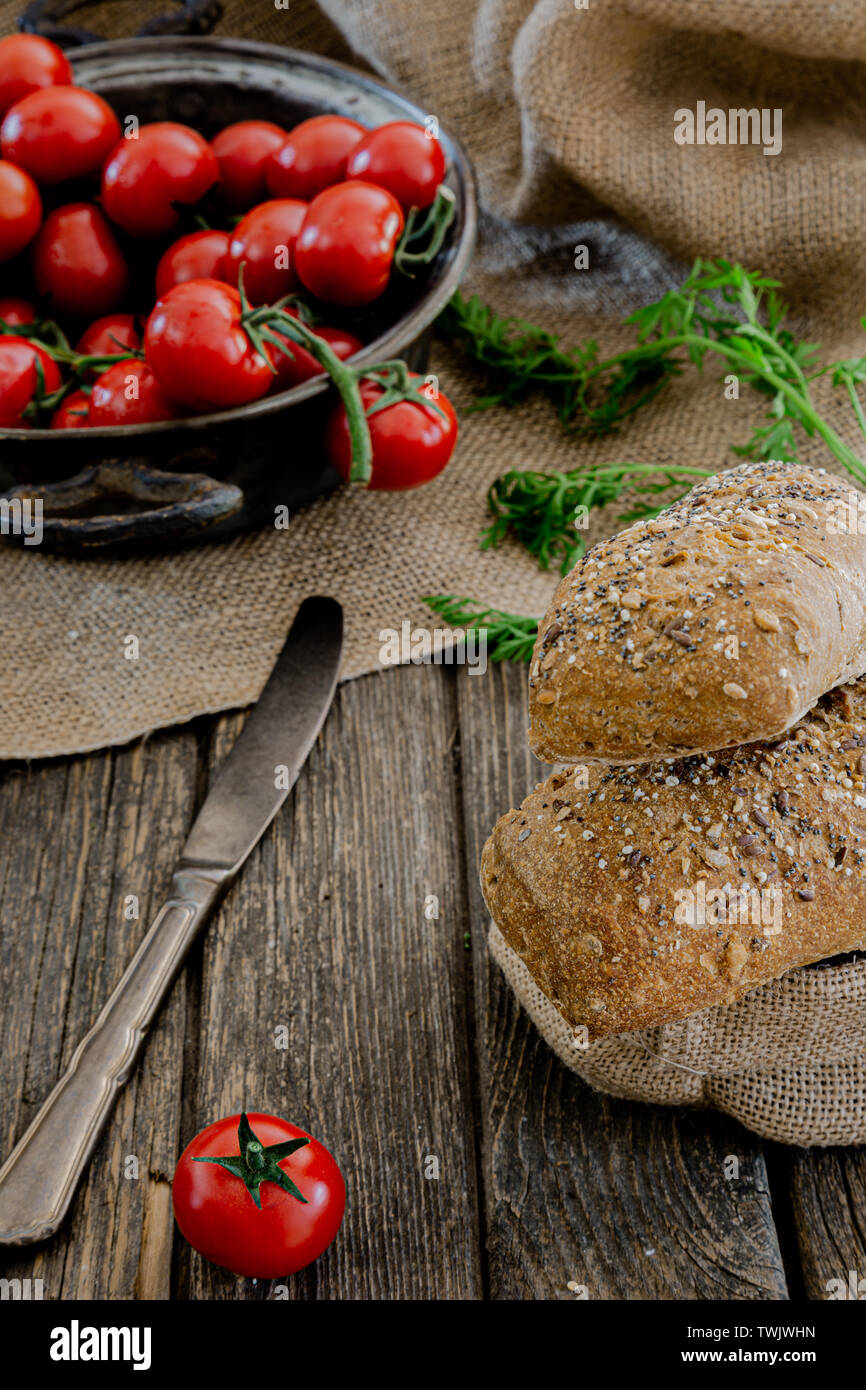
596 886
720 622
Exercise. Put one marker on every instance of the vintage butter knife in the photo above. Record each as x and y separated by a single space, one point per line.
38 1180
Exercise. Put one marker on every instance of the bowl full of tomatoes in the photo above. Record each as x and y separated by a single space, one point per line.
220 263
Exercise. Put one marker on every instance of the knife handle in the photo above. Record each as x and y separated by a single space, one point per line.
38 1180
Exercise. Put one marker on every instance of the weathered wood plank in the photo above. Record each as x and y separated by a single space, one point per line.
77 838
828 1199
629 1201
325 935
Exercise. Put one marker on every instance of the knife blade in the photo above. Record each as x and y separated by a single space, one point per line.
38 1180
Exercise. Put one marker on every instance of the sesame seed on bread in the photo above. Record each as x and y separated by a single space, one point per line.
718 623
601 879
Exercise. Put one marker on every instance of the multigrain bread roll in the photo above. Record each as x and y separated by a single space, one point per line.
718 623
601 888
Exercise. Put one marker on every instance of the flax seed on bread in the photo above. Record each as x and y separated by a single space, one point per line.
595 885
718 623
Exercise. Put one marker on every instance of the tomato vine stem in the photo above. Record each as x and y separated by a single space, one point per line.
425 231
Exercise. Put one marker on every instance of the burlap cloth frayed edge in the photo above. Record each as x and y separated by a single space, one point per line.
756 1060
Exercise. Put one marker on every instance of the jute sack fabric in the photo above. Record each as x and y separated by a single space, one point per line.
568 116
788 1060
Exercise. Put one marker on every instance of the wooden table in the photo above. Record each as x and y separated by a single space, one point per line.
323 992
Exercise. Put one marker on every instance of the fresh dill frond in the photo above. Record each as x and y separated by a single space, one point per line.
507 636
549 512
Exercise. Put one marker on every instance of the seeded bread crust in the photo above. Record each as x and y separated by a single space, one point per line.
586 882
718 623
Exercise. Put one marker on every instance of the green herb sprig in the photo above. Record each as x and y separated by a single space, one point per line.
508 636
721 309
548 512
517 357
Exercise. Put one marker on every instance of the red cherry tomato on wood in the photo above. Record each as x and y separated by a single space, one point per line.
301 366
77 262
346 245
16 312
59 133
313 157
20 210
72 412
403 158
243 151
197 347
147 174
129 394
264 243
27 63
19 378
197 256
217 1212
411 442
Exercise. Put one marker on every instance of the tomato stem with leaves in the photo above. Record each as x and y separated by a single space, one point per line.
45 332
397 385
271 325
257 1162
80 365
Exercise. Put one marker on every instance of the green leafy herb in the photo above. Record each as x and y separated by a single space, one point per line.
548 512
508 636
720 309
517 356
732 314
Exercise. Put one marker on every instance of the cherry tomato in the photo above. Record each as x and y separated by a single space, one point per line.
19 378
347 241
197 347
146 175
313 157
243 151
129 394
27 63
403 158
264 243
72 412
59 133
411 442
111 333
77 262
274 1233
197 256
20 210
17 312
302 365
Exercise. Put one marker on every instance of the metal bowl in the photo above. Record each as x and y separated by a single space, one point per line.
268 453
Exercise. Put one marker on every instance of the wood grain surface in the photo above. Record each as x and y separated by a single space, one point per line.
345 983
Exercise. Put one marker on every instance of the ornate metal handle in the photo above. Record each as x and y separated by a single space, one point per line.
45 17
38 1180
82 513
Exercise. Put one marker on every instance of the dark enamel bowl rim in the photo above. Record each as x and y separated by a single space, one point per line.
389 344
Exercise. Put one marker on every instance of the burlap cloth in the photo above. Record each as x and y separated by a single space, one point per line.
788 1060
568 116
